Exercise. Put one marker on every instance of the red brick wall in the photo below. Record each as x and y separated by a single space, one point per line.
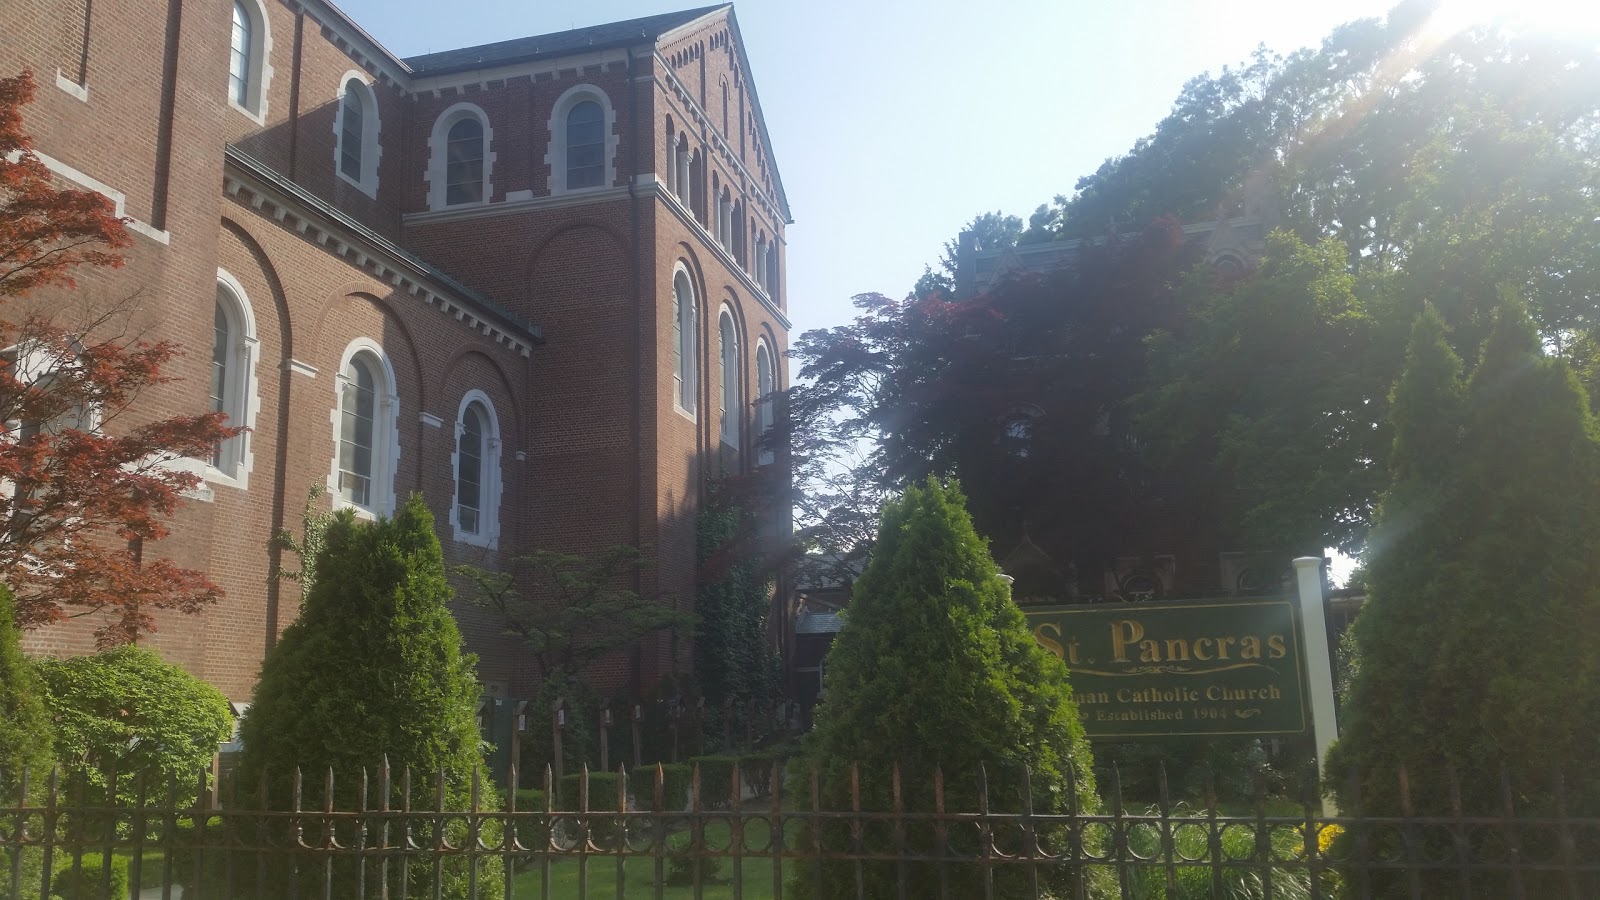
608 459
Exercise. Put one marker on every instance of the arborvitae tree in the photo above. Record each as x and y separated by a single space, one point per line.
372 671
1475 649
25 737
935 666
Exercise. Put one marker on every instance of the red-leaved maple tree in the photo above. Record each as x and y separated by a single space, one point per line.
81 493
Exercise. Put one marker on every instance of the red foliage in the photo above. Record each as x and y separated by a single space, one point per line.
74 485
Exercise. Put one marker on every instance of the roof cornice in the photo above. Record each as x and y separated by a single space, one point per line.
266 191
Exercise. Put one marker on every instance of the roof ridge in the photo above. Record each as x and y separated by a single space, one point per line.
555 43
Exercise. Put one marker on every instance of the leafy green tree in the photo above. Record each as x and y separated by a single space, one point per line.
1277 384
571 611
25 737
128 711
1475 648
1021 392
936 667
373 671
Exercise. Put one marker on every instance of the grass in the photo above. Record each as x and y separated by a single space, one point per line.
639 875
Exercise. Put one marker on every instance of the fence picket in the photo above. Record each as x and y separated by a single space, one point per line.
884 839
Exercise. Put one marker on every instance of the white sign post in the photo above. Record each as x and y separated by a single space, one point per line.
1319 665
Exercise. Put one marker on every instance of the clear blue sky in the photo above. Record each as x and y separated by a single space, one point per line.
894 122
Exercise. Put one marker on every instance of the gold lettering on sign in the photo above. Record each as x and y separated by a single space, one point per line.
1123 633
1276 649
1048 643
1250 647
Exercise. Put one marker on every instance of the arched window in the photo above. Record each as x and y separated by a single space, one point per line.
766 384
463 174
240 59
684 344
460 159
732 409
586 145
233 384
682 165
583 150
476 514
364 429
248 67
772 272
356 134
672 158
725 220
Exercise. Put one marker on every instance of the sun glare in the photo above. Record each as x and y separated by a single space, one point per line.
1573 17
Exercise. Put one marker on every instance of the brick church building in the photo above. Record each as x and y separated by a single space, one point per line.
540 281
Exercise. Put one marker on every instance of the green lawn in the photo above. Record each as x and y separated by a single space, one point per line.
639 875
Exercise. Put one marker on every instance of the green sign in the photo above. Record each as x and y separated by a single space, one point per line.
1142 670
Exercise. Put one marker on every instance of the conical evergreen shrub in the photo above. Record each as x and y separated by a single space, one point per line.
935 667
1476 648
371 671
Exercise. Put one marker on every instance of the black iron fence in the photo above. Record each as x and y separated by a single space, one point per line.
773 834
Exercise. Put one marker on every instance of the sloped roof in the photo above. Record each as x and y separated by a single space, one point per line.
560 43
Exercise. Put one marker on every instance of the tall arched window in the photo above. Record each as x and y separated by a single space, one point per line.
684 344
672 158
350 126
463 172
357 418
475 516
365 433
249 68
240 58
460 158
583 146
766 384
732 408
356 150
681 163
233 389
586 145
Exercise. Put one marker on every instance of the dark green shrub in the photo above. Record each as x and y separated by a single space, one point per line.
681 853
675 778
25 737
126 709
373 670
1476 647
602 790
716 775
755 769
530 800
936 666
83 882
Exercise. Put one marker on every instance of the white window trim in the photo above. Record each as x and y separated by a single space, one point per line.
688 350
438 157
556 157
488 535
243 390
255 106
385 433
371 149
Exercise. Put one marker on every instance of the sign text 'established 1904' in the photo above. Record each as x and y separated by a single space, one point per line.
1142 670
